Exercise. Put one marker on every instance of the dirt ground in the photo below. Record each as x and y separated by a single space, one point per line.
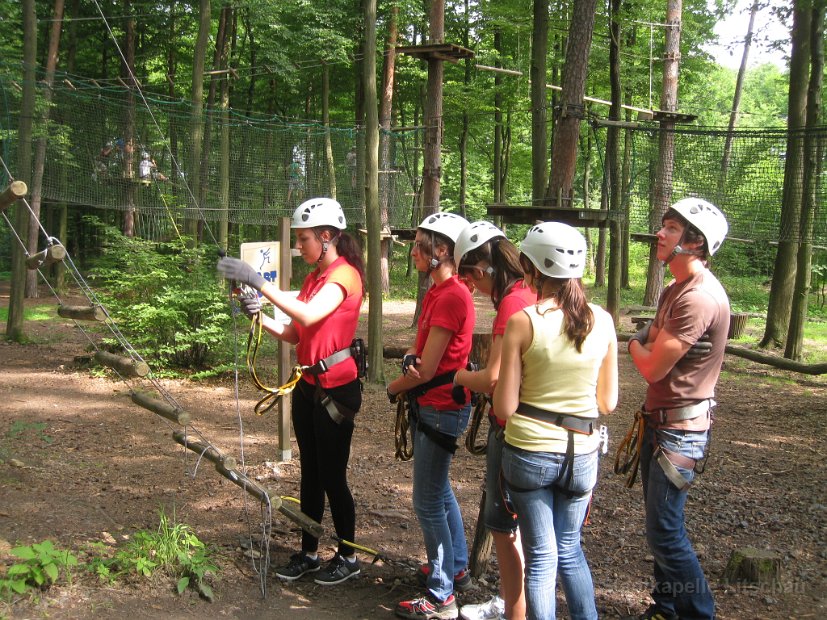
79 463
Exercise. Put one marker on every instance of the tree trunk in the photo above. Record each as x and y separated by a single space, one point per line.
385 116
433 121
539 53
14 322
736 103
374 224
328 146
224 168
662 193
783 275
40 154
813 151
128 73
498 120
571 112
196 120
613 166
463 135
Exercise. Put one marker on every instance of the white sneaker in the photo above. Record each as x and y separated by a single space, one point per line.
492 610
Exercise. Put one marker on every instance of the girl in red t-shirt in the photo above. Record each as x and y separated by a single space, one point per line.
438 415
491 264
324 317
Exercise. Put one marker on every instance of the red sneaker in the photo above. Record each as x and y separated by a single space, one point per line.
428 608
462 580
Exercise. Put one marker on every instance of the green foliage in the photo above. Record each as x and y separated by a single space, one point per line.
164 297
39 568
173 549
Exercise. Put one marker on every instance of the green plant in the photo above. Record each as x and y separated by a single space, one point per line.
173 549
164 298
40 567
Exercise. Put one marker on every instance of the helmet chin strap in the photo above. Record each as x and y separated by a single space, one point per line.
325 246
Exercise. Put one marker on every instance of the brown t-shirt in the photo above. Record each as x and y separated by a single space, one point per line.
687 310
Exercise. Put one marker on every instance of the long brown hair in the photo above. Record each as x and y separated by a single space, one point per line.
501 254
578 318
348 248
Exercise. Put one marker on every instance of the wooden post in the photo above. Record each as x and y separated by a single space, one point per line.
483 541
208 452
82 313
480 346
49 256
16 190
284 452
124 366
158 407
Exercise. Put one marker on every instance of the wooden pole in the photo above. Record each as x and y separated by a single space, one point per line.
16 190
285 452
124 366
82 313
202 449
158 407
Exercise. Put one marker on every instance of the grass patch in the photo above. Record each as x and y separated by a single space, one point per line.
35 313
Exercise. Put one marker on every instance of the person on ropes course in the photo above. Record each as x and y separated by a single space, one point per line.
491 264
680 355
326 399
439 414
557 373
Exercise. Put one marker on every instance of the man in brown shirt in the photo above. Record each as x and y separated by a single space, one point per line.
680 356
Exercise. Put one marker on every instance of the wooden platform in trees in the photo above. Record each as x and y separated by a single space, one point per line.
448 52
572 216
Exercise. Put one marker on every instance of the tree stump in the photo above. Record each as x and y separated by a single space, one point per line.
737 324
754 566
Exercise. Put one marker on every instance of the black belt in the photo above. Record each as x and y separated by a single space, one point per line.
573 423
438 381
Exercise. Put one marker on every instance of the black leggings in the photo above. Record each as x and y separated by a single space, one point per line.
324 451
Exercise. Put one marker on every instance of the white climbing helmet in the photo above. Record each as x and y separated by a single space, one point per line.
448 224
473 236
707 218
319 212
556 249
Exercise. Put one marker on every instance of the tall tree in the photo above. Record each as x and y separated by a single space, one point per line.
571 110
537 74
662 192
813 151
374 223
736 102
613 170
40 150
196 123
130 141
14 323
783 275
385 155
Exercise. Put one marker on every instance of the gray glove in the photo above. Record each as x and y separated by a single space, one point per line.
641 335
701 348
250 306
240 272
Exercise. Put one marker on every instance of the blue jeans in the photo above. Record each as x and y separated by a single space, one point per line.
550 523
680 585
434 502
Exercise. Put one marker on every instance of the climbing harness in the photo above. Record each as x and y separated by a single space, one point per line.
338 413
482 407
627 459
629 450
572 424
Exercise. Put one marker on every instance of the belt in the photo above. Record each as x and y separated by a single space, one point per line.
322 366
584 426
678 414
